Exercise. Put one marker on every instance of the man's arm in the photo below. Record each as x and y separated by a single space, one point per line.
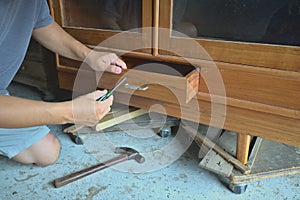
56 39
85 110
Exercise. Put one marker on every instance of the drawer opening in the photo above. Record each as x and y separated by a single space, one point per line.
155 80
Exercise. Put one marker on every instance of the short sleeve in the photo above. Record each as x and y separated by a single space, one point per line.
43 15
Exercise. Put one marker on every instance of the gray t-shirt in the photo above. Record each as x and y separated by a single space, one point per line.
18 18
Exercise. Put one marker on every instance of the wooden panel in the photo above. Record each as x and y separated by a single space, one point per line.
128 41
160 86
68 80
268 126
261 55
252 54
262 87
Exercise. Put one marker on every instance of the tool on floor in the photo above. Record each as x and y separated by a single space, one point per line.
126 154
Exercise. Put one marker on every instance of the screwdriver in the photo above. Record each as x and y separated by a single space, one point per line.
110 92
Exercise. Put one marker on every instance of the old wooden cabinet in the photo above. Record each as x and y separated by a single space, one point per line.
233 65
38 70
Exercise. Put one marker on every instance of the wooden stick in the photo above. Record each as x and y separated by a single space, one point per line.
199 139
119 119
242 147
75 128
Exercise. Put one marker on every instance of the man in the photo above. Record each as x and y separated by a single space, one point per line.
23 134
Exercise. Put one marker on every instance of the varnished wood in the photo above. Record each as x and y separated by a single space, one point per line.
261 80
260 55
207 63
250 105
155 27
271 104
243 145
268 126
55 10
127 41
92 36
252 54
261 88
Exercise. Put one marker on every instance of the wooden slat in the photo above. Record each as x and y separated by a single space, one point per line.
119 119
155 26
242 147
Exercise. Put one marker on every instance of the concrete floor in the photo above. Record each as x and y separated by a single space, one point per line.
183 179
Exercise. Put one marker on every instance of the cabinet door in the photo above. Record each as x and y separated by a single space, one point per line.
261 33
95 21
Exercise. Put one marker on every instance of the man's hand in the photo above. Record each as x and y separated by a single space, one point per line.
102 61
88 111
56 39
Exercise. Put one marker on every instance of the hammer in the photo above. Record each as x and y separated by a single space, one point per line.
126 154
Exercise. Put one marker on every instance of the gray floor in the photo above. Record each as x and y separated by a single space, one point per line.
183 179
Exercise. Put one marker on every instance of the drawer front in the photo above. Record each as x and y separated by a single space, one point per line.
174 83
163 87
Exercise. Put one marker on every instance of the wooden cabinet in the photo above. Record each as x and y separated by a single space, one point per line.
238 61
38 70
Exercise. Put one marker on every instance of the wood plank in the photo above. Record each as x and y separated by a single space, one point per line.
242 147
200 139
215 163
116 120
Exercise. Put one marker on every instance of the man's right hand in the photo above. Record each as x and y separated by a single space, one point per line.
88 111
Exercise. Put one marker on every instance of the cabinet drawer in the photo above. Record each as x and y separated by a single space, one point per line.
157 86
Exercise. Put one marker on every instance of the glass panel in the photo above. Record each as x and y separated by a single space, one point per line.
102 14
263 21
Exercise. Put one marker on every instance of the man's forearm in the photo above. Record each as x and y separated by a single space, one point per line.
17 112
57 40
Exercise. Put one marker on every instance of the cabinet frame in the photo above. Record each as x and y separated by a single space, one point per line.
94 37
246 117
281 57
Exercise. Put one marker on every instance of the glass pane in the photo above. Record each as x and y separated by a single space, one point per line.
263 21
102 14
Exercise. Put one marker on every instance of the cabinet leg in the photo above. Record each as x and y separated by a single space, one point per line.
242 147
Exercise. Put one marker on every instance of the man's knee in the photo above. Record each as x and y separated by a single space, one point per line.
49 150
44 152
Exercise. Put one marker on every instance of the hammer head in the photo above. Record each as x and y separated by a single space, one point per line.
131 153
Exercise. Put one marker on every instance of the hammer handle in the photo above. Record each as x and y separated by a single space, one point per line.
85 172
